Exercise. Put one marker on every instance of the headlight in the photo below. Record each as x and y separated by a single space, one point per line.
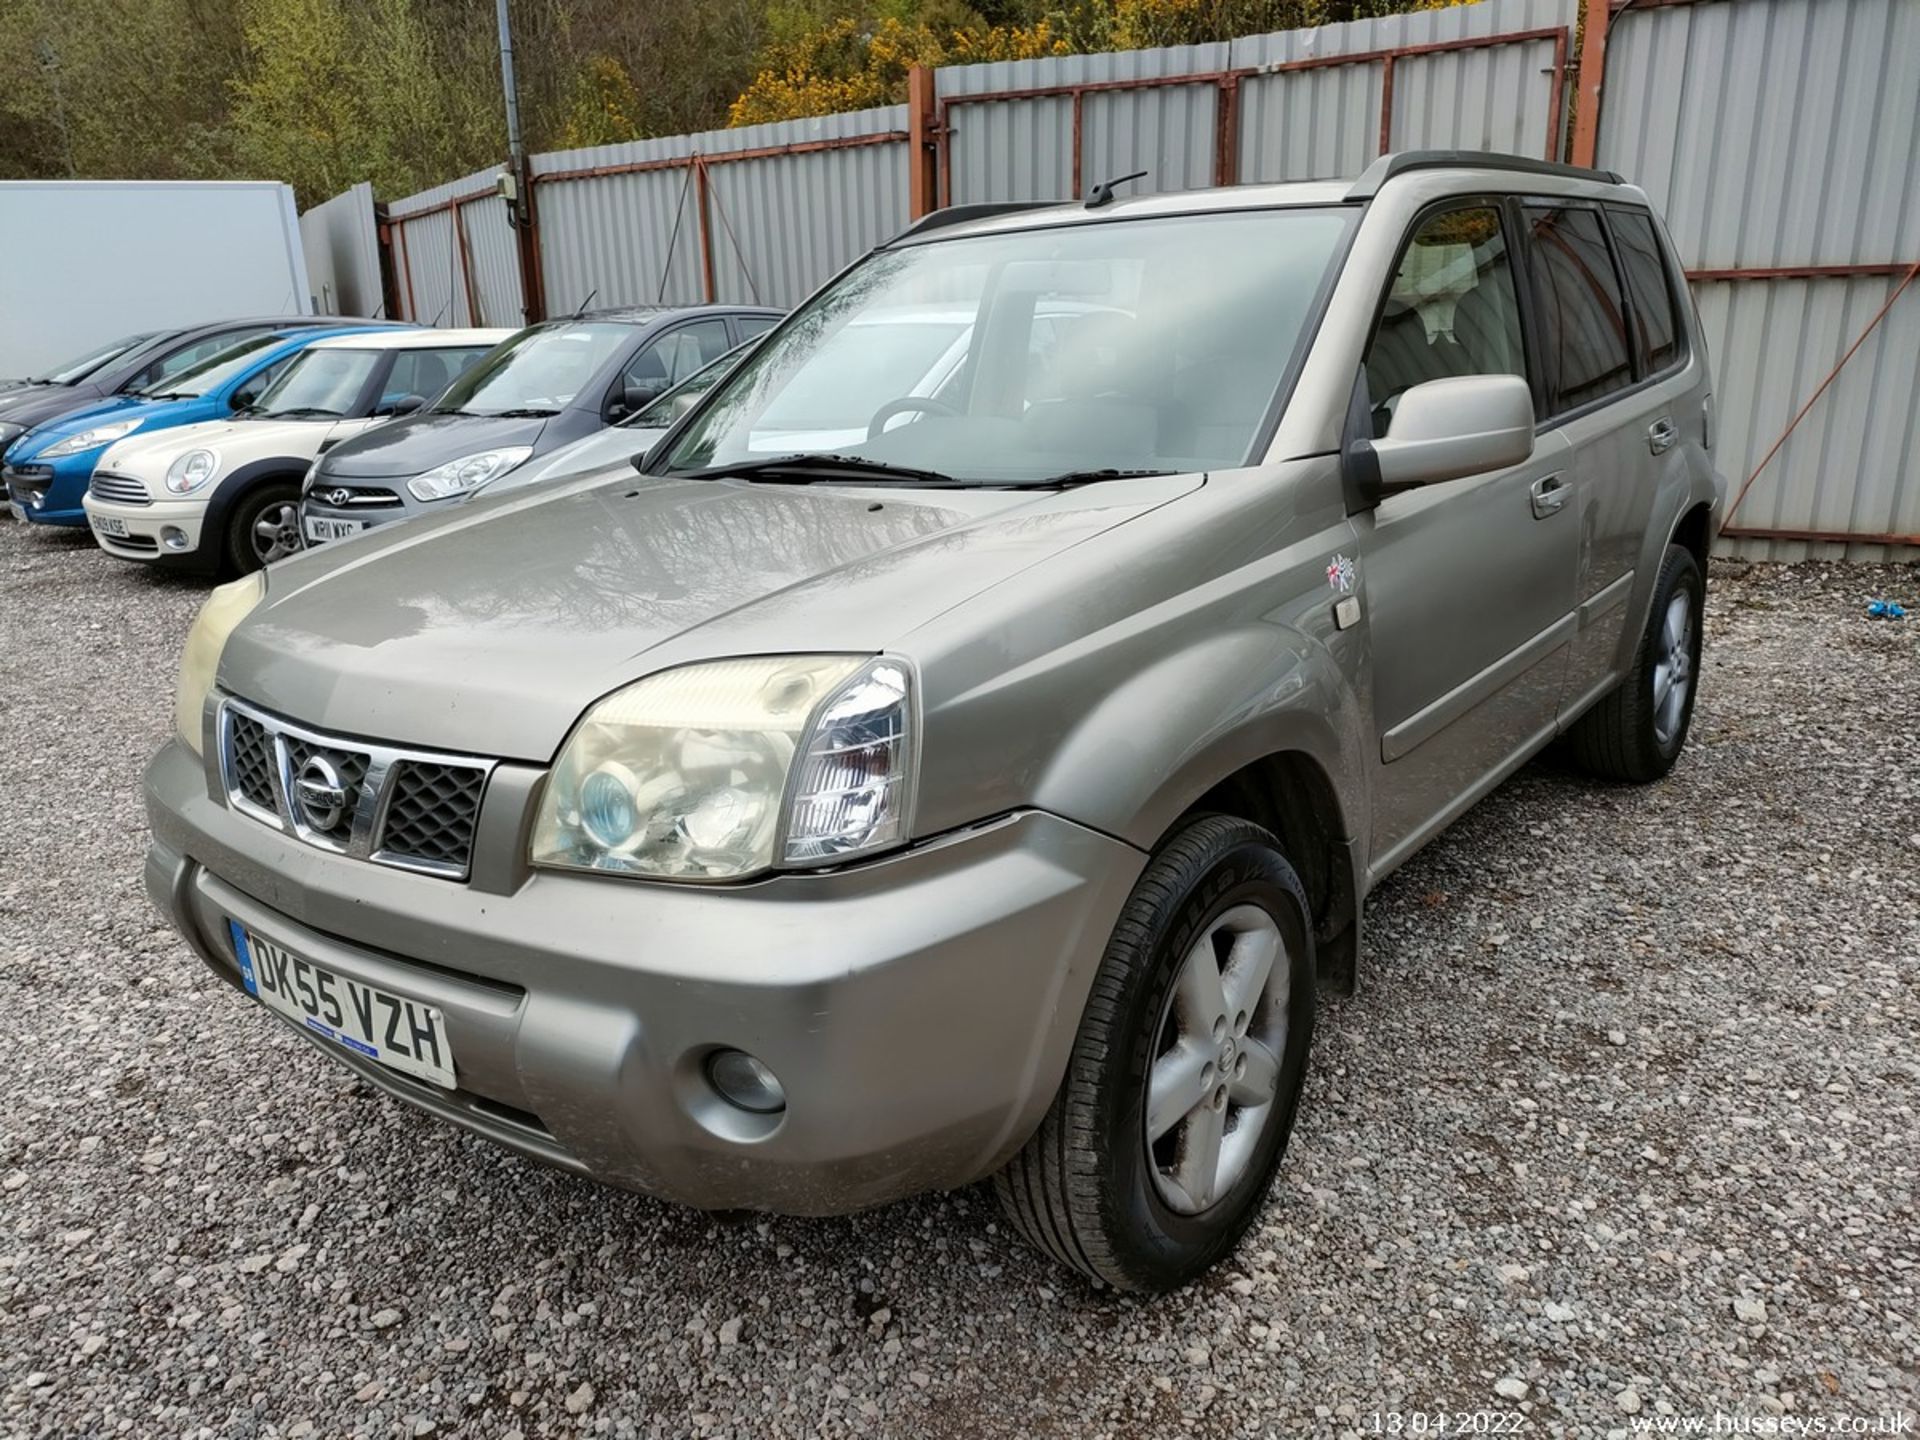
456 477
715 771
10 433
90 439
226 607
313 473
191 471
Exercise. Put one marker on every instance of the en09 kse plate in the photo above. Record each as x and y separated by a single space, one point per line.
108 525
406 1035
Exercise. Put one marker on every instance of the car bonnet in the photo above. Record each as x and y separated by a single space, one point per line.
489 628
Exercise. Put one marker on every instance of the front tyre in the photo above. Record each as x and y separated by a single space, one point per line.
1181 1089
1635 732
263 526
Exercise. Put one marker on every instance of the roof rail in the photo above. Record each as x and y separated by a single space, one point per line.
960 214
1388 167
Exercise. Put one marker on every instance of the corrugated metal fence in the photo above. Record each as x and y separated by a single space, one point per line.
1781 139
1779 136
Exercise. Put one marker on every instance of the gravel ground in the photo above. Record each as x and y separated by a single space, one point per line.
1625 1122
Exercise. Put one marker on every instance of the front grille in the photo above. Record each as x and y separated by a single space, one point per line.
352 497
431 813
250 762
333 792
122 489
145 544
28 483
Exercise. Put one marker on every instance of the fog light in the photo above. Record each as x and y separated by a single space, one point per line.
746 1082
173 537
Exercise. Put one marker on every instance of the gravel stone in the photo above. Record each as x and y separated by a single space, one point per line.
1751 926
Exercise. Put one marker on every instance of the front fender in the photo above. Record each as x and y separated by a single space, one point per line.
1170 733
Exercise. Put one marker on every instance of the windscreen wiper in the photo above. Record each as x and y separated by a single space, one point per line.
525 412
812 465
299 412
1082 477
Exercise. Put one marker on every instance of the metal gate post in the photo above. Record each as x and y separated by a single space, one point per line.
706 226
923 176
1596 14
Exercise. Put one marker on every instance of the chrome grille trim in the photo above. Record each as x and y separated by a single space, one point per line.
372 774
121 489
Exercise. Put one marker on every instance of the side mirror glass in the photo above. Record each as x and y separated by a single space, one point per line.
1450 429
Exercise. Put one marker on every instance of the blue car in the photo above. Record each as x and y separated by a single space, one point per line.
47 469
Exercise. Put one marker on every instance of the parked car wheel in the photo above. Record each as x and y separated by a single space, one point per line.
263 526
1637 731
1181 1089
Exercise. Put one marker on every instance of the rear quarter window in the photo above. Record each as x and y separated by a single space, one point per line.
1650 284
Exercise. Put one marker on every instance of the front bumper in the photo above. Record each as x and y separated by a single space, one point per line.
918 1009
48 494
166 531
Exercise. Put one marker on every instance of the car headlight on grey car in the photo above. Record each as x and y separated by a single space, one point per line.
225 608
726 769
192 470
456 477
89 439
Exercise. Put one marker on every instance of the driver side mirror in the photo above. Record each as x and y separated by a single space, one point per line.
635 396
1450 429
405 405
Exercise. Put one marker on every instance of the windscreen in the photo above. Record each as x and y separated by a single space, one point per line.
538 372
1132 345
209 376
319 384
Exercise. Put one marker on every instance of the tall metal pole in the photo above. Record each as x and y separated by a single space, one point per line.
515 154
520 203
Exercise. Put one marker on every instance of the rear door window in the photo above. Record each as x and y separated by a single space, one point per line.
1583 318
1453 310
1650 285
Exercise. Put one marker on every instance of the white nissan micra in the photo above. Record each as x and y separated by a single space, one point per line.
223 496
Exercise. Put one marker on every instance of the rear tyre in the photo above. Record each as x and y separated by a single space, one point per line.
1181 1089
1637 731
263 526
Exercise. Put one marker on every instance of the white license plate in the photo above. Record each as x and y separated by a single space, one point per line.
19 510
319 529
407 1035
108 525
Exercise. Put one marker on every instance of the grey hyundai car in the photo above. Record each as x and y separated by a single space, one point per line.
540 389
987 792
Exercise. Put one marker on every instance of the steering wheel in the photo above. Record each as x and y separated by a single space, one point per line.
905 405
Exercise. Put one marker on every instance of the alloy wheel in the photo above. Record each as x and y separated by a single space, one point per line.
1216 1068
1672 668
276 533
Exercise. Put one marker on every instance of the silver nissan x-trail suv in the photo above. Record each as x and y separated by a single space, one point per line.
797 828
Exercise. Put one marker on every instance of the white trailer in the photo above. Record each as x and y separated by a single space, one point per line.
83 262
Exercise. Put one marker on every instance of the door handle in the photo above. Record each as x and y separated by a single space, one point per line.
1549 495
1661 435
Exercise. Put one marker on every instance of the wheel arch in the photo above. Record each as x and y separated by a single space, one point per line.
1259 722
1291 794
244 479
